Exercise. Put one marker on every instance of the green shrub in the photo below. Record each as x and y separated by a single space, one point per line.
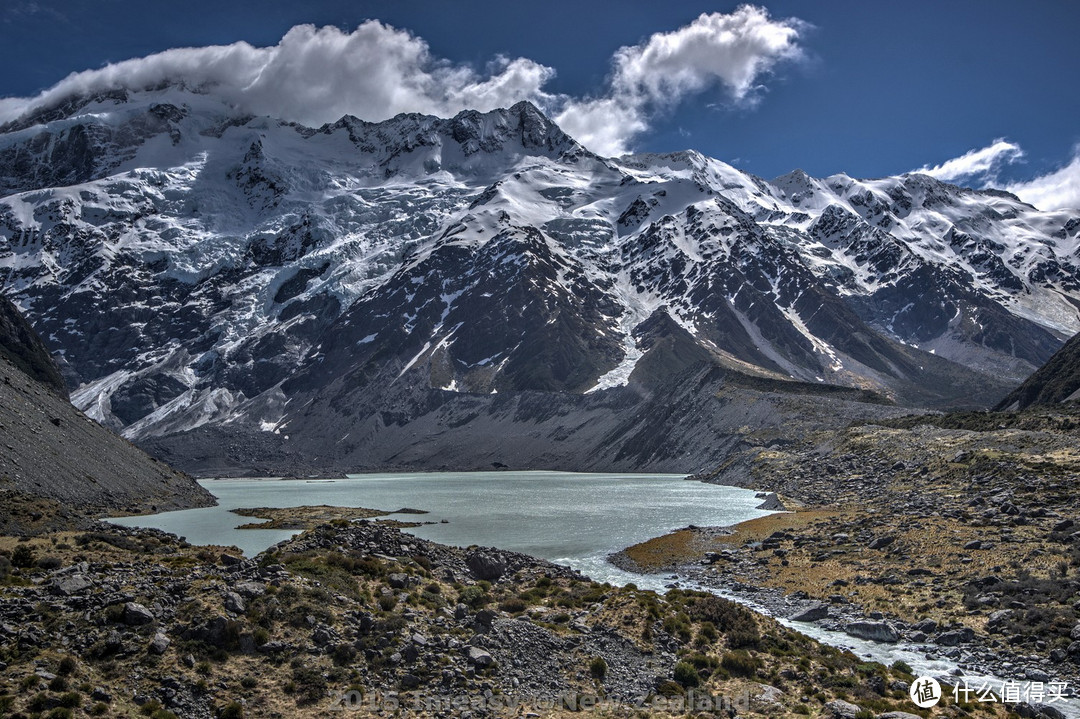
474 596
598 668
513 605
707 633
232 710
49 563
67 666
150 707
740 664
22 557
387 602
309 683
686 675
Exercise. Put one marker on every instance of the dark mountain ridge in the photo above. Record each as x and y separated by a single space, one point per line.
1055 382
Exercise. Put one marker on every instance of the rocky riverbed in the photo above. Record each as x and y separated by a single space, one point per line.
956 537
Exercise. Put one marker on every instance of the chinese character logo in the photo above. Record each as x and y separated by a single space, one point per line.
925 692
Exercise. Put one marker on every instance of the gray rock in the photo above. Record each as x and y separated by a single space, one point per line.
772 503
160 643
72 584
813 613
840 709
275 647
489 566
1037 675
234 603
929 626
479 657
872 631
1075 633
882 542
250 590
136 614
955 637
484 620
898 715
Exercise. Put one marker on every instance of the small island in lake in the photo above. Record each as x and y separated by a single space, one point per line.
308 517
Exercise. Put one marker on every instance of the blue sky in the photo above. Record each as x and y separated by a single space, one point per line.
867 88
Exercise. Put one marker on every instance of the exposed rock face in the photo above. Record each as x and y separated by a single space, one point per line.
21 346
1055 382
55 461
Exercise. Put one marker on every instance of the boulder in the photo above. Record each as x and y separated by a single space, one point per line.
955 637
234 603
72 584
250 590
813 613
872 631
840 709
159 644
882 542
489 566
479 658
136 614
772 503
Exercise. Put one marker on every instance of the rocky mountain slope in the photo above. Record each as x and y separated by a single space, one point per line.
22 347
215 282
1056 381
57 464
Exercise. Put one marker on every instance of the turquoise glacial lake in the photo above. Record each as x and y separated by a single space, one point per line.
571 518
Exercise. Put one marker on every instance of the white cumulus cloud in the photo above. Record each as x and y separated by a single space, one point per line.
1056 190
733 50
981 165
316 75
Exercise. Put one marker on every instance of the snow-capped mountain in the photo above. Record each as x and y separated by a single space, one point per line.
196 269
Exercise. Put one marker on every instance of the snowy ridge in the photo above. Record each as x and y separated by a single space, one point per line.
197 267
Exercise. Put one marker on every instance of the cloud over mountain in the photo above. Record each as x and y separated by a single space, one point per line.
316 75
981 164
1059 189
